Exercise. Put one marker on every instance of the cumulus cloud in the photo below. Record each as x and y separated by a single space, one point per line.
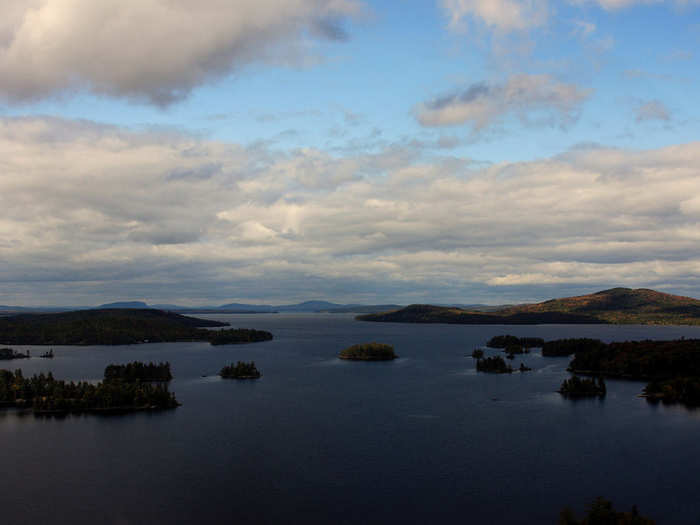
153 50
652 110
93 212
529 97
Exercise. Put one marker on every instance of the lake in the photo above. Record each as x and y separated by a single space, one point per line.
422 439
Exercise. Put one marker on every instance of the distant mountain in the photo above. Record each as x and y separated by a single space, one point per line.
362 308
617 305
125 304
307 306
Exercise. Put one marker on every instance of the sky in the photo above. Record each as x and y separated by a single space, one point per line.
202 152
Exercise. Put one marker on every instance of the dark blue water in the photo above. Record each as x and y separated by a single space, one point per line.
422 439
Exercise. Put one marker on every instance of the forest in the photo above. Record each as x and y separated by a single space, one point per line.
240 370
117 327
586 387
46 395
368 352
138 371
684 390
641 359
504 341
494 365
567 347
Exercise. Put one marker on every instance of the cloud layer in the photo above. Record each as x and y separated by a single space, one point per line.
93 211
154 50
532 98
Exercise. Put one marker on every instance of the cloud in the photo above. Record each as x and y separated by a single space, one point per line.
652 110
93 212
152 50
501 15
526 96
612 5
509 16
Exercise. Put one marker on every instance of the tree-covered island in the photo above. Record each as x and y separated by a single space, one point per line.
493 365
9 353
240 370
368 352
118 327
575 387
45 395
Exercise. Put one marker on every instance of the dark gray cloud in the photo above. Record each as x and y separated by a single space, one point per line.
527 97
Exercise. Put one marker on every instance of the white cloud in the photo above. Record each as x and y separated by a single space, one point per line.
152 50
501 15
93 212
526 96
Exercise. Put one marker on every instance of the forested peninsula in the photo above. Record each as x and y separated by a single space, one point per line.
114 326
617 306
672 368
125 388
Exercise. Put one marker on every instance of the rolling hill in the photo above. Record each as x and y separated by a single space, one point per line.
617 306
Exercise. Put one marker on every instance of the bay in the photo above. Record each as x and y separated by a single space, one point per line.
421 439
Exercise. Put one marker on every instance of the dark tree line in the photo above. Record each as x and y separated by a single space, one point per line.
117 327
504 341
138 371
567 347
240 370
9 353
642 359
586 387
44 394
602 512
494 365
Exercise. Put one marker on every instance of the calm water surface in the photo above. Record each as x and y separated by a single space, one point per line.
422 439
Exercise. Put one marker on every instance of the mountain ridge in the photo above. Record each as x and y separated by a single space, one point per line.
611 306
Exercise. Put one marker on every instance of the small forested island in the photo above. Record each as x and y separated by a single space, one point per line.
368 352
494 365
602 512
477 353
588 387
47 355
685 390
240 370
504 341
45 395
616 305
118 327
9 353
138 371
